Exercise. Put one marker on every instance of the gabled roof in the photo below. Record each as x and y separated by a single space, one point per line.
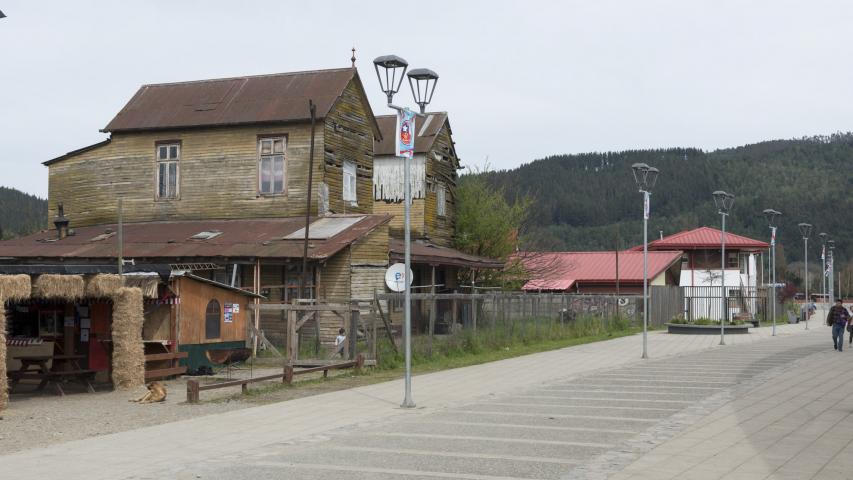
561 270
703 238
426 131
275 98
242 238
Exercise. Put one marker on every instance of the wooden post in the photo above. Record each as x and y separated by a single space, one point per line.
359 362
288 374
292 346
256 314
352 338
192 391
433 307
374 347
453 314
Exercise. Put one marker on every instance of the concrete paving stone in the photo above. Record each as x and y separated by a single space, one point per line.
529 433
601 400
470 466
466 446
540 420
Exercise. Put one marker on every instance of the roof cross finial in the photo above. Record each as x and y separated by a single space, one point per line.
353 57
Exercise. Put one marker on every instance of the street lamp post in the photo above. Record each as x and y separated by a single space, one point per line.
771 216
724 202
422 81
823 264
645 177
831 269
806 231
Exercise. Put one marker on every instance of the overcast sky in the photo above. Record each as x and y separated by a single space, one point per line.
521 80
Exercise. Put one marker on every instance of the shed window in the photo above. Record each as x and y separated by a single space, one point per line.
168 155
212 320
271 165
440 200
349 182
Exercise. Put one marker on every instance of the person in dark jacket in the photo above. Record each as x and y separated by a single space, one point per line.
838 318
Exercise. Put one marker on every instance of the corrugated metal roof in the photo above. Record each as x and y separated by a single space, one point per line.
431 254
705 238
424 138
281 97
561 270
244 238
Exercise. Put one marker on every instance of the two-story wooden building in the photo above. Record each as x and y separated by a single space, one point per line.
213 176
434 175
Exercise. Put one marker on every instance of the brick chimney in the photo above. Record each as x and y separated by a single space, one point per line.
61 222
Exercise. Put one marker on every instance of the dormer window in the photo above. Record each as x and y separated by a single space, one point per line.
168 155
349 183
271 165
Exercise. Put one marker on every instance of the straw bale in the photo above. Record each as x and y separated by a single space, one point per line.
12 287
103 285
15 287
62 287
128 351
4 384
147 283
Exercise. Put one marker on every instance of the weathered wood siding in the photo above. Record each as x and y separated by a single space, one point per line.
349 137
218 176
371 249
425 221
335 287
441 171
191 313
397 210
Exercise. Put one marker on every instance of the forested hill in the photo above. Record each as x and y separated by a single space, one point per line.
580 199
21 213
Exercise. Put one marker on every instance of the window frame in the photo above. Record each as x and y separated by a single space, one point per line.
353 191
207 313
168 161
260 159
440 200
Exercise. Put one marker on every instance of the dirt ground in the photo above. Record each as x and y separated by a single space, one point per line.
33 420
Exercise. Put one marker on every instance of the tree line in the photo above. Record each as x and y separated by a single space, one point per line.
21 213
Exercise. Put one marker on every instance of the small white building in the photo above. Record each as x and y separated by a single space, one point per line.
702 273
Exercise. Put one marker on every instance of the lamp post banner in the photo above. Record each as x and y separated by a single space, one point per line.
405 133
646 205
772 235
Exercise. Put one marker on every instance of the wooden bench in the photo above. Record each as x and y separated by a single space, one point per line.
56 378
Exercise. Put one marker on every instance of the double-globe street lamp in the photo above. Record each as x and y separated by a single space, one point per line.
645 177
724 202
422 81
771 216
806 231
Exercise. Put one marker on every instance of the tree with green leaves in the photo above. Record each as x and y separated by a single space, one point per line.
487 224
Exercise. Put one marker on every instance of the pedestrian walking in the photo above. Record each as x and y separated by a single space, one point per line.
838 318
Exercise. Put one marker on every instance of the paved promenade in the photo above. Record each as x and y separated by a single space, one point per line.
592 411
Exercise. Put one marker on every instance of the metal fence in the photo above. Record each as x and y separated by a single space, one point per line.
749 304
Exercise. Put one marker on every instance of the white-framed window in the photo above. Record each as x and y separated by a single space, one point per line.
440 200
271 165
349 182
168 155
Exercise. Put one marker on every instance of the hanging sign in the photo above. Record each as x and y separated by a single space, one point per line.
405 133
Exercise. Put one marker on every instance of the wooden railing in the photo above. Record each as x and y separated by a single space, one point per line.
193 386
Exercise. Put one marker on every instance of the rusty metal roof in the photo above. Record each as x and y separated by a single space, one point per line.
431 254
243 238
281 97
424 137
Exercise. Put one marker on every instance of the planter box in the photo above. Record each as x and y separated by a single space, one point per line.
688 329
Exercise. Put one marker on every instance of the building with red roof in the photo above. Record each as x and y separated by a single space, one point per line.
701 262
595 272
